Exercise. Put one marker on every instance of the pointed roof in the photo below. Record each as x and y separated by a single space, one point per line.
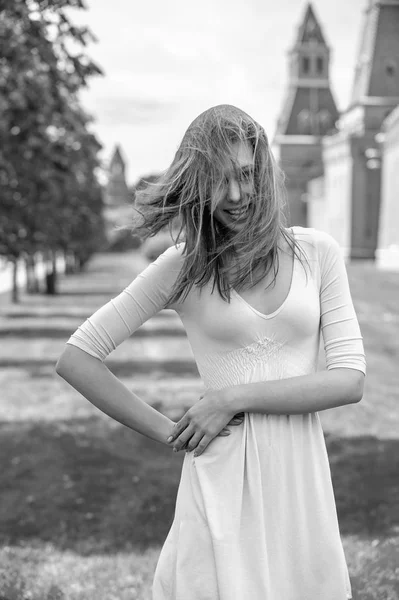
365 54
117 157
374 30
310 30
309 107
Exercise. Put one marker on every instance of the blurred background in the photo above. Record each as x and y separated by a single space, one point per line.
94 100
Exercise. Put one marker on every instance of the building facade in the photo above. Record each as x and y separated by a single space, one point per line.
352 157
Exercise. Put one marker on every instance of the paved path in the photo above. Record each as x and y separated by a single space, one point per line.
156 361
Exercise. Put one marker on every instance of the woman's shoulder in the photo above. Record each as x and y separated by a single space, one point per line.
321 240
176 250
172 258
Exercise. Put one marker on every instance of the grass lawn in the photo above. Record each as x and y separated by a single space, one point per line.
86 503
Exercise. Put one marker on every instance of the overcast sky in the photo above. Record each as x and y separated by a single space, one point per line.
167 61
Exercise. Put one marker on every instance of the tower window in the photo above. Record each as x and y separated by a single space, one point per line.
305 64
325 120
319 65
390 68
304 122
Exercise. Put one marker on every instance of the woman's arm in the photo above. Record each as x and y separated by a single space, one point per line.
92 378
295 395
82 362
343 380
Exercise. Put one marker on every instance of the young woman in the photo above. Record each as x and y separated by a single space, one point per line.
255 512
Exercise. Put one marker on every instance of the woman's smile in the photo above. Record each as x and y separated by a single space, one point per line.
236 213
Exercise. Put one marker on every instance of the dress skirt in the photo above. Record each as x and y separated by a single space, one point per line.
256 518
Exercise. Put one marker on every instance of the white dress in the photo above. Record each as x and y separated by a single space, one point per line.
255 513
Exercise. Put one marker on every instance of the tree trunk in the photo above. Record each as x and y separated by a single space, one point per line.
51 276
28 275
82 260
15 291
70 265
67 265
81 263
75 263
32 284
36 283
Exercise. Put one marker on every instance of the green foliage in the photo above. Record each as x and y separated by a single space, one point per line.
50 196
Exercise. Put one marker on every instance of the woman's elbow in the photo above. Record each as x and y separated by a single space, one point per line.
70 358
351 384
63 364
357 385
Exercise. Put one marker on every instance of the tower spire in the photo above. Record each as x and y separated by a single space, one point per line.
310 30
117 192
379 47
309 108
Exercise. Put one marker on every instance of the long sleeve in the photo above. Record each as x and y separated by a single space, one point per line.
343 342
146 295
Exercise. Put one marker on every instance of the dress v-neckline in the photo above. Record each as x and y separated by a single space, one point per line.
280 308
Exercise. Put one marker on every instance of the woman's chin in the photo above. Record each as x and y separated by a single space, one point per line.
231 223
236 225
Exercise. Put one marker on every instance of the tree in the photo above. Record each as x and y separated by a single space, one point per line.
48 157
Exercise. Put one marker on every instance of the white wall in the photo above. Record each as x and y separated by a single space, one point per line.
316 201
387 254
338 167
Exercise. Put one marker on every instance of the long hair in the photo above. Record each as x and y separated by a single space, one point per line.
185 193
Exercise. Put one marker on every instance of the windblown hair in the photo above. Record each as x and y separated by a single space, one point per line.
185 193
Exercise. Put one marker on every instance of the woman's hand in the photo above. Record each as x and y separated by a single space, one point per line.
204 421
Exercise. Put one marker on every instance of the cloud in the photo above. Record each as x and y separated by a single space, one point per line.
115 110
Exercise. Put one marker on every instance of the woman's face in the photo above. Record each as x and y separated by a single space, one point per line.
235 196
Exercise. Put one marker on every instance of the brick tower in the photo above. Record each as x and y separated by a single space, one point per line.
309 112
375 90
351 157
117 198
117 192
